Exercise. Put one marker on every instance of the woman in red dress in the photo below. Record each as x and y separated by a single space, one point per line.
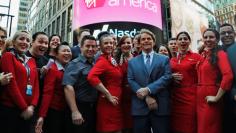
20 96
214 78
106 77
183 93
52 109
123 55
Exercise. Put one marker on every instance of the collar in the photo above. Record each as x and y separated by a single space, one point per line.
85 60
151 53
59 66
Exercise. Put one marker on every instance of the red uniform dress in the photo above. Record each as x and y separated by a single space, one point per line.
109 117
14 95
53 93
183 95
210 79
126 98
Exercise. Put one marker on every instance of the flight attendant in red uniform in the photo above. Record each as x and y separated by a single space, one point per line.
183 93
123 55
214 78
20 96
106 77
52 109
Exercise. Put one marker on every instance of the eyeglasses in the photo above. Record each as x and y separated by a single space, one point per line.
3 37
226 32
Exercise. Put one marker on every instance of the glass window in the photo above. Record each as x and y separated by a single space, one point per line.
63 26
69 25
49 30
58 25
58 4
53 27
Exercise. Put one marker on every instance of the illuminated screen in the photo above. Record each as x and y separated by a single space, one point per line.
97 11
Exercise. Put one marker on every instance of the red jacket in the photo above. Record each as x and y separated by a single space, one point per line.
14 94
53 92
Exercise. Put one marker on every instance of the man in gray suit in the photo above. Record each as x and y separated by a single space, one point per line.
148 75
227 35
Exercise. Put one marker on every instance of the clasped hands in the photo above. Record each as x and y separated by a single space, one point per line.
151 102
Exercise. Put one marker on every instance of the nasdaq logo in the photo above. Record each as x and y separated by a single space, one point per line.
118 32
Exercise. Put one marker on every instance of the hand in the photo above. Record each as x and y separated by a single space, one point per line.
77 118
43 70
112 99
211 99
142 93
235 98
177 77
5 78
151 102
26 114
39 125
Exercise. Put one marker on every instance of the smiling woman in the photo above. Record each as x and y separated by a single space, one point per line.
20 96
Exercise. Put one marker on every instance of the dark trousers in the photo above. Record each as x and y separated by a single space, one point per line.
144 124
54 122
12 122
88 111
229 115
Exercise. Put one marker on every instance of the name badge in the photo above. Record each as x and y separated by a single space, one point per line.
29 90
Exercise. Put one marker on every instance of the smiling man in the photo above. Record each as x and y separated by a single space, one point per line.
227 36
148 76
81 97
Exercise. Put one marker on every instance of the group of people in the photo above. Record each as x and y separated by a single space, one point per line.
109 86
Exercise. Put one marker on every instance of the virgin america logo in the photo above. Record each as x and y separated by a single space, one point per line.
94 3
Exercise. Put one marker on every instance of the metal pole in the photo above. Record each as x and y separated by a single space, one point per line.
9 7
10 27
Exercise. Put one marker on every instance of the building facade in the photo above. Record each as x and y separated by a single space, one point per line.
225 11
52 17
23 14
188 15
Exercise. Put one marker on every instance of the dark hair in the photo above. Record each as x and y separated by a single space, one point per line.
137 37
185 33
77 33
35 35
213 56
169 53
87 37
106 34
59 46
173 38
227 24
119 52
102 33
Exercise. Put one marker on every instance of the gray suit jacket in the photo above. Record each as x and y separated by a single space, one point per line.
156 79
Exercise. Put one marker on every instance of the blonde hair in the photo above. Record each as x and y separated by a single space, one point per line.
4 30
18 33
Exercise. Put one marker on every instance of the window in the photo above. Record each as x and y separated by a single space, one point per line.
53 27
50 9
58 4
49 30
69 25
58 25
63 26
54 7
